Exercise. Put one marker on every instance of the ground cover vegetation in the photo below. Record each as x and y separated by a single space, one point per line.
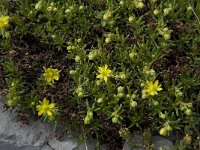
110 68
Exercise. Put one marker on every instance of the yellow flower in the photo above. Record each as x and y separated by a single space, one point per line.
45 108
51 74
104 72
152 88
4 20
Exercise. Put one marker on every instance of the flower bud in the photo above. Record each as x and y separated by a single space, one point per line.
38 5
79 89
98 82
142 84
139 5
90 114
72 47
32 104
79 40
122 76
87 120
77 59
162 116
167 36
167 11
67 11
132 55
163 131
133 103
81 7
155 103
55 9
92 55
156 12
152 72
107 15
80 94
120 89
121 2
108 40
189 8
188 112
120 95
11 102
133 96
100 100
128 96
169 128
72 72
144 94
131 19
68 47
115 120
50 8
52 4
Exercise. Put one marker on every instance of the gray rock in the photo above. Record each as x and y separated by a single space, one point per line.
68 143
22 136
37 135
157 141
47 147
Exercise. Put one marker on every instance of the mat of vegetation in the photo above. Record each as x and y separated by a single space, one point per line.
107 68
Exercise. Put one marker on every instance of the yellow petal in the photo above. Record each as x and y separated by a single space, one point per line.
159 89
101 69
105 78
148 83
52 105
49 113
109 71
106 66
99 76
45 101
156 83
40 113
56 77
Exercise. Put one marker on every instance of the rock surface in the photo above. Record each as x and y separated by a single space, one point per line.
157 141
36 136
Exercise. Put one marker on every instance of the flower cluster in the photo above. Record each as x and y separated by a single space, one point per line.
45 108
4 21
50 75
152 88
104 72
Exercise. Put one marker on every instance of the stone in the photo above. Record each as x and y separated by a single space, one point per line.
68 143
157 141
15 133
37 135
